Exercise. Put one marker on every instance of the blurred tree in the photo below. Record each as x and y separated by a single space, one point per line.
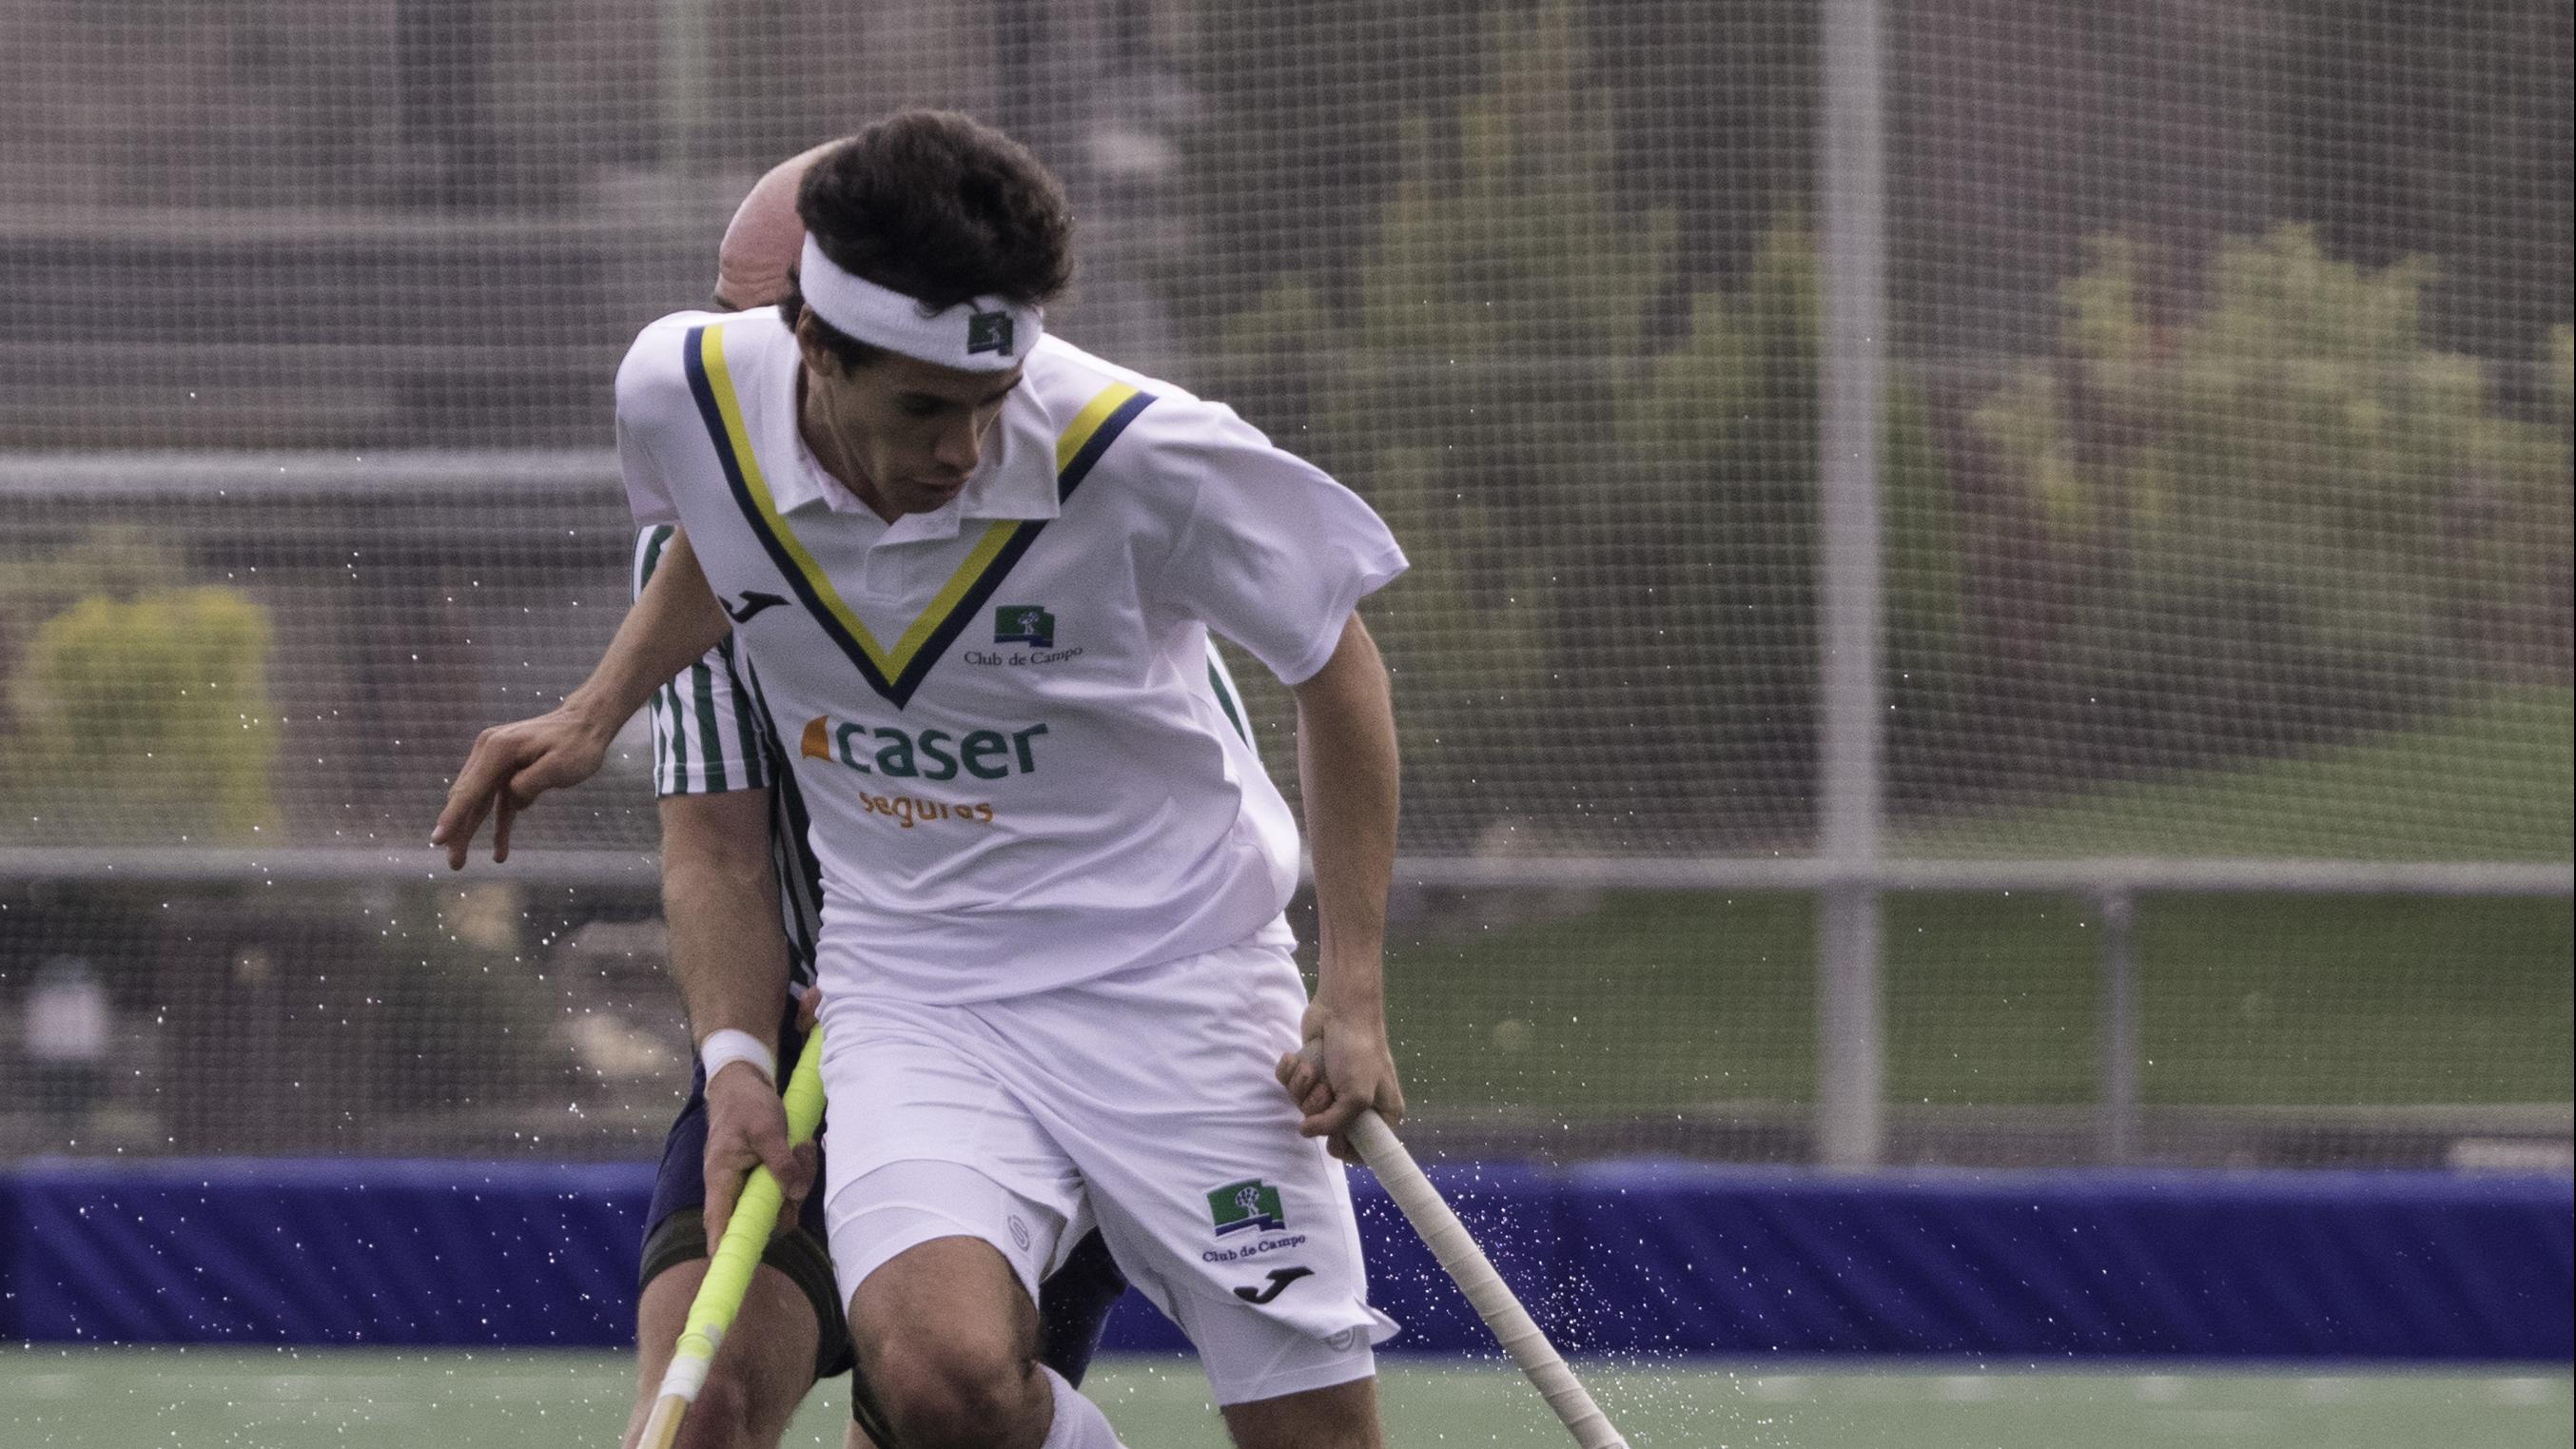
147 719
2425 127
2535 520
2283 516
1305 102
1715 564
1466 391
1607 484
1307 105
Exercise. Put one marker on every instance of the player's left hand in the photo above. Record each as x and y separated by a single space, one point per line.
747 1128
1345 1067
509 767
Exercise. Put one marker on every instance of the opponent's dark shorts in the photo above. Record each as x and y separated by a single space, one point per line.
1073 1302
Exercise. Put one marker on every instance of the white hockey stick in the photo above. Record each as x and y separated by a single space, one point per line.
1467 1265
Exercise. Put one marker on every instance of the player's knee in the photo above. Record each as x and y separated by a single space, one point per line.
1343 1416
955 1391
719 1418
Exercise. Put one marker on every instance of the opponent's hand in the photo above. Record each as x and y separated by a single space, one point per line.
510 766
1345 1067
747 1128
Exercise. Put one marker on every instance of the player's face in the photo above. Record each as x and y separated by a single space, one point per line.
915 429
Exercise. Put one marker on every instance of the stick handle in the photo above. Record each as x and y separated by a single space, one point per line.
729 1270
1474 1273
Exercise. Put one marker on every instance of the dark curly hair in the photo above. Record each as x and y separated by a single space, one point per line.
937 206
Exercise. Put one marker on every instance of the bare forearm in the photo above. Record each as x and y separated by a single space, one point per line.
720 894
674 622
729 956
1347 771
1346 763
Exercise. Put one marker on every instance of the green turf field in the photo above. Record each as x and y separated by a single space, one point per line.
169 1399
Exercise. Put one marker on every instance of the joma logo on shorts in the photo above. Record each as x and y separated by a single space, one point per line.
1280 1278
1251 1204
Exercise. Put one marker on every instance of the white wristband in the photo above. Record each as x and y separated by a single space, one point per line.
723 1048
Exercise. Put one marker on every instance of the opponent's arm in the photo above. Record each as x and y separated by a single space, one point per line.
729 957
1346 769
675 620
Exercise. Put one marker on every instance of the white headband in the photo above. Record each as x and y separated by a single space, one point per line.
985 334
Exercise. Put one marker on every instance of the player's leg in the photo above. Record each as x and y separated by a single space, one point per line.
1280 1384
760 1373
1239 1229
947 1331
948 1341
1074 1304
1343 1416
945 1213
788 1334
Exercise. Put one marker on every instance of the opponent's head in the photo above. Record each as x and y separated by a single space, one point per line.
932 245
756 263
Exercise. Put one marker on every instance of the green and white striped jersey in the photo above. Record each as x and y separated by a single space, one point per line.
712 734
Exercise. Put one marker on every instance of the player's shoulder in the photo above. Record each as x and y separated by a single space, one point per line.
1161 429
1062 373
656 370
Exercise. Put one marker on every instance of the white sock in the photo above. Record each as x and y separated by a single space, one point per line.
1078 1421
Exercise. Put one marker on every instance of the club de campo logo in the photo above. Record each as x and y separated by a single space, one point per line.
1246 1206
1028 624
988 332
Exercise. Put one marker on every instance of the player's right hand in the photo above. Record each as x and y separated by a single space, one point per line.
747 1128
510 766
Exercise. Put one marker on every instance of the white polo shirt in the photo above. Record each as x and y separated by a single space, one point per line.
1020 767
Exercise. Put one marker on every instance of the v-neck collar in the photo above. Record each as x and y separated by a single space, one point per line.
998 491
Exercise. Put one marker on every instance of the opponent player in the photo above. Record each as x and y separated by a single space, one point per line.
976 569
736 869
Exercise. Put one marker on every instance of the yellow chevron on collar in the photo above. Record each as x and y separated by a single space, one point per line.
1087 422
1068 445
997 536
747 462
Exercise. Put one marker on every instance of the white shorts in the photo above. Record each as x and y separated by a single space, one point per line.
1144 1101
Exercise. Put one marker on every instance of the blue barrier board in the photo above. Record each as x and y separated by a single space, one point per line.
1632 1258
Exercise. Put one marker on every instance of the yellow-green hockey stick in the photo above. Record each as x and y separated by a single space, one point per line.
729 1271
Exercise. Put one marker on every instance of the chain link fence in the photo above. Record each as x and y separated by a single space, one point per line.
2203 792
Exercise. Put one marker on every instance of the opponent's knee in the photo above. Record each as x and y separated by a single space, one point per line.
719 1418
955 1393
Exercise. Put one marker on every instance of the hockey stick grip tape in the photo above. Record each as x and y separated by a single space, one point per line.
1474 1274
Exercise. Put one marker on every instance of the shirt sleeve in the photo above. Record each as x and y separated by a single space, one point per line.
1274 554
706 738
650 382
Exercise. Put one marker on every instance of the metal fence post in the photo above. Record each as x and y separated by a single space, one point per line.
1850 1063
685 68
2119 1038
